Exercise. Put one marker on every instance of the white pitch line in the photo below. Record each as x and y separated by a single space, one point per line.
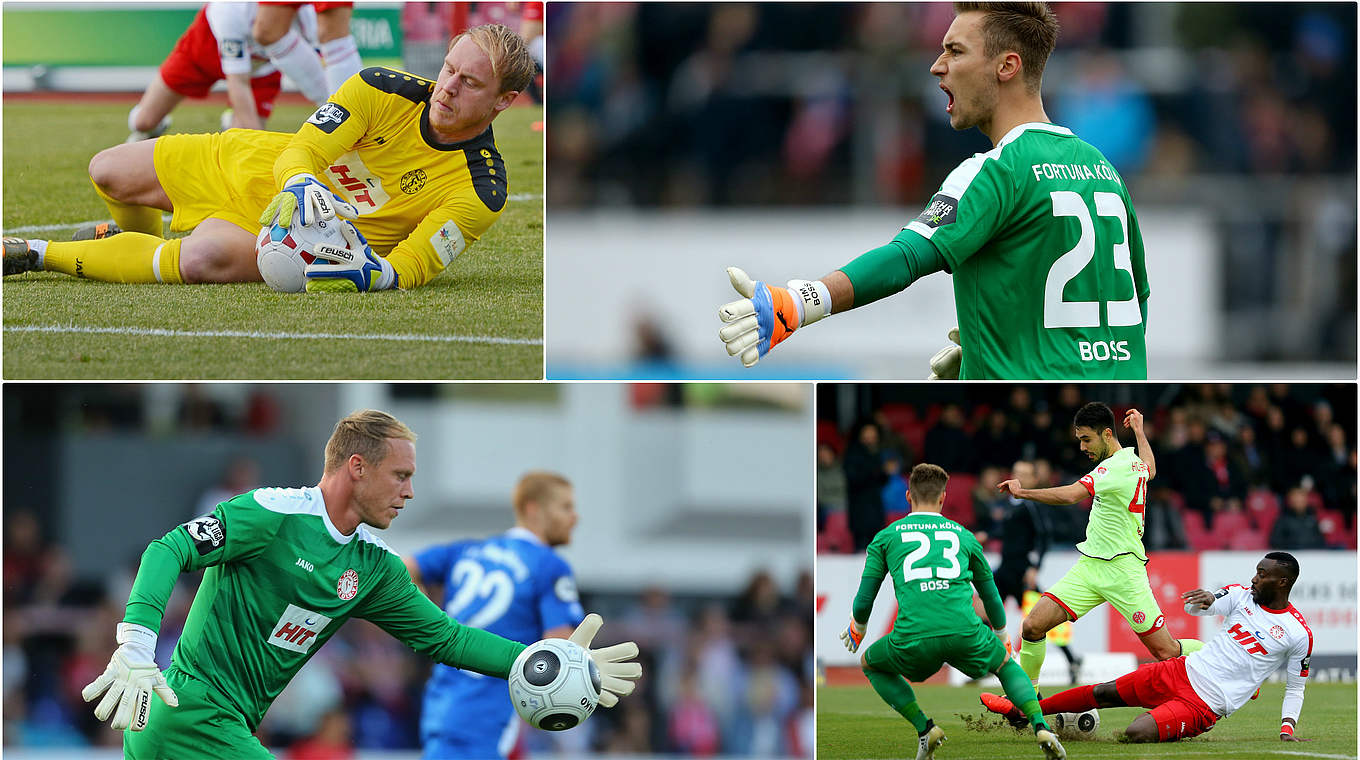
32 228
163 333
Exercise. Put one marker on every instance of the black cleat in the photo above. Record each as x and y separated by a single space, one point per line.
97 231
19 258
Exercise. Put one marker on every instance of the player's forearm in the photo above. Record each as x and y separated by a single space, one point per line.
864 598
1145 454
483 652
160 567
242 100
883 271
991 603
1057 496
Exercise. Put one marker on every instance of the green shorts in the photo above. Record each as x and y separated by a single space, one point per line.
1122 581
201 727
976 654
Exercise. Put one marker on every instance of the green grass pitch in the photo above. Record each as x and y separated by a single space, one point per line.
480 319
852 722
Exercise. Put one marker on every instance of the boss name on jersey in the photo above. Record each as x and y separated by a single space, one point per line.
1104 350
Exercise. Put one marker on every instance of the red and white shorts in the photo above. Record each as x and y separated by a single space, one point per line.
195 65
1164 687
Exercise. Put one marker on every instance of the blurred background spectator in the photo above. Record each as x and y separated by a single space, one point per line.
1216 486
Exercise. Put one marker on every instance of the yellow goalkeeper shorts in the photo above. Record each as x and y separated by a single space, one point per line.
226 175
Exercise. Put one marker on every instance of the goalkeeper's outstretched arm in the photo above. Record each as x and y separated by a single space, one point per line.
1068 494
767 314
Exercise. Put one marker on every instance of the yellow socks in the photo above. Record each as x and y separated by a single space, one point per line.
1032 656
130 257
133 218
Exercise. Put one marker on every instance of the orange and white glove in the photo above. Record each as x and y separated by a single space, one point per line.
767 314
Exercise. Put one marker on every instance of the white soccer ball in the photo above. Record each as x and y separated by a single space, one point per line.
283 253
1070 725
554 684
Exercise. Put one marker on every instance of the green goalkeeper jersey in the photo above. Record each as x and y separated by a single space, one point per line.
1047 260
1119 485
934 563
280 580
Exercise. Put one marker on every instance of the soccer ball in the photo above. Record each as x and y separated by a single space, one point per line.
283 253
554 684
1082 725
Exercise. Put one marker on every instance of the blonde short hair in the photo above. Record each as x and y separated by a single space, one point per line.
535 486
365 433
510 59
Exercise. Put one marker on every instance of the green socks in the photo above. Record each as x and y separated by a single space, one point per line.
894 690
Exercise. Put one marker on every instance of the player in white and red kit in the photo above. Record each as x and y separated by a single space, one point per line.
1187 695
217 46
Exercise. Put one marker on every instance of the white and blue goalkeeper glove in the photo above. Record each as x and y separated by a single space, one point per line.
767 314
618 666
312 201
352 269
129 680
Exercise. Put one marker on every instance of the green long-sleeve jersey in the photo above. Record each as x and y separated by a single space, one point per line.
280 580
935 565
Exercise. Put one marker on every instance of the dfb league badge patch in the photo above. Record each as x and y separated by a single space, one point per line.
348 585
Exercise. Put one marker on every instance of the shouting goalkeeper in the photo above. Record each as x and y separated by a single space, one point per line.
1039 233
285 568
412 162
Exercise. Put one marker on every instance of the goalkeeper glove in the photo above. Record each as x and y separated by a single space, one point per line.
129 679
944 365
352 269
767 315
618 667
853 636
312 200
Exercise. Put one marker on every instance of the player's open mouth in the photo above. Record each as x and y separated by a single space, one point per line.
949 107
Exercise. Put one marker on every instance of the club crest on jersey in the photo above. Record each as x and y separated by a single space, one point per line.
297 629
1277 633
207 533
348 585
943 209
1101 470
1139 617
412 181
328 117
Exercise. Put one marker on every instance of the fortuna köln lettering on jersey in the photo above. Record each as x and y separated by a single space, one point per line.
1073 171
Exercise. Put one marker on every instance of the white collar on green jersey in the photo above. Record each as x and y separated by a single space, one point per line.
1035 125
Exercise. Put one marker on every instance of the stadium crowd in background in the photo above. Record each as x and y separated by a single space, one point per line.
1244 467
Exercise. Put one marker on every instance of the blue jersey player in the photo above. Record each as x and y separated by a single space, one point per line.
513 585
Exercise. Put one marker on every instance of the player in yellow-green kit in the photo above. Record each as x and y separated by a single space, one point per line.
413 162
1039 233
284 568
935 564
1113 566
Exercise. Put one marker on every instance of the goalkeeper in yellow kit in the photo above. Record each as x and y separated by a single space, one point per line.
413 162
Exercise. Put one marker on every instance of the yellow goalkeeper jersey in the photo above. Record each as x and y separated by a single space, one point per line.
420 201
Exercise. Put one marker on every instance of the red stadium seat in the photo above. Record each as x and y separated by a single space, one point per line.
899 415
828 433
835 535
1249 540
958 498
1333 527
1201 540
1263 506
1229 523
